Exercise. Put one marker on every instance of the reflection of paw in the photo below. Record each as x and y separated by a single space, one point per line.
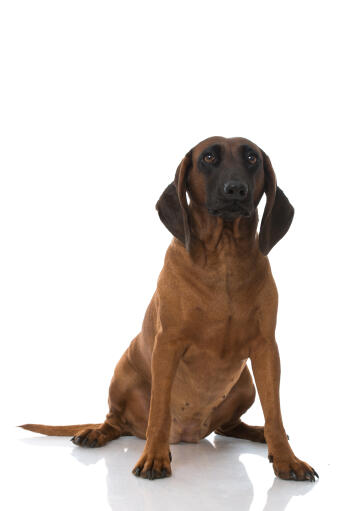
153 465
90 438
293 469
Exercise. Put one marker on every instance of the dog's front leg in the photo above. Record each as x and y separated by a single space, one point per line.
156 457
266 369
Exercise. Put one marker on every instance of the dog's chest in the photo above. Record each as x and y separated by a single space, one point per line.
217 348
214 359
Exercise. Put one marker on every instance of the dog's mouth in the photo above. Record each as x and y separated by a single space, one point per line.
231 211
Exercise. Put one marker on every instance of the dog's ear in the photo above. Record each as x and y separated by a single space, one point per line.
172 205
278 212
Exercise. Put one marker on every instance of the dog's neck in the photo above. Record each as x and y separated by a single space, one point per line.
212 235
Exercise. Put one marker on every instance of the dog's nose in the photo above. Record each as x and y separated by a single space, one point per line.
235 190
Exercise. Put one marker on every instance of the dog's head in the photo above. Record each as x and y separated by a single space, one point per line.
227 177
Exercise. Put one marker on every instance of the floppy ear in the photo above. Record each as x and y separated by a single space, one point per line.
172 205
278 212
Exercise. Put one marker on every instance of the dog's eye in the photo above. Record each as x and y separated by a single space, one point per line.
251 158
209 158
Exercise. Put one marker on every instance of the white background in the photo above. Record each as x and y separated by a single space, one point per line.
99 103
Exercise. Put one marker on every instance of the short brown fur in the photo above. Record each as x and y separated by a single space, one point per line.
185 375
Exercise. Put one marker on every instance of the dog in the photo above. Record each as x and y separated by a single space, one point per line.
185 375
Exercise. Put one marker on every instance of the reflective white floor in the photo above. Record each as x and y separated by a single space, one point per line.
218 473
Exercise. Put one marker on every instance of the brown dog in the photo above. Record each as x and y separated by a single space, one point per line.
215 306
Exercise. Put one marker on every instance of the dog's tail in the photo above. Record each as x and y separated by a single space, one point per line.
58 430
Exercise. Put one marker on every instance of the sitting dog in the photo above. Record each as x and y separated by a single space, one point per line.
185 374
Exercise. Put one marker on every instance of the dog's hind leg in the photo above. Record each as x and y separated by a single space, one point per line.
226 418
96 437
244 431
128 408
129 396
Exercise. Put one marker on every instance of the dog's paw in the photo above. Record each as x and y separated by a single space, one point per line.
91 438
293 469
153 465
